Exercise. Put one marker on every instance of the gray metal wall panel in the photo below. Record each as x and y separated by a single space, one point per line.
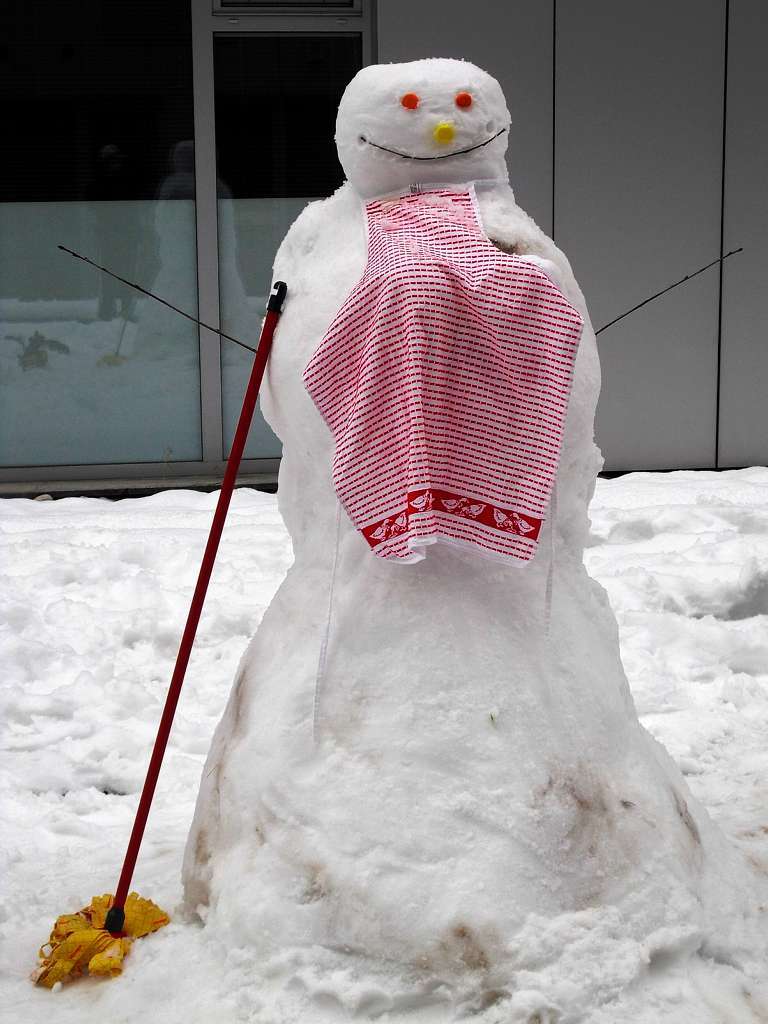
638 160
513 42
744 356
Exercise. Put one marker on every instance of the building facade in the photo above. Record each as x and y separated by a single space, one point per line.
175 142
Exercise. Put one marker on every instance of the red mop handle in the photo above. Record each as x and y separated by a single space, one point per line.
116 916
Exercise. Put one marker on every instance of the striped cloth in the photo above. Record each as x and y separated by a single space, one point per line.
444 379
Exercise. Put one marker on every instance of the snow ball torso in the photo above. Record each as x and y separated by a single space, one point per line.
444 379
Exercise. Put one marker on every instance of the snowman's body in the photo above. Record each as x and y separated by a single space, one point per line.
401 802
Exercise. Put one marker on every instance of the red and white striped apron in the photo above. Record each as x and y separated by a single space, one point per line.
444 379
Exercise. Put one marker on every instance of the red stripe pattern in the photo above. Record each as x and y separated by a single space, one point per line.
444 379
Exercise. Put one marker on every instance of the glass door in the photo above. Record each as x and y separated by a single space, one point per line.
276 96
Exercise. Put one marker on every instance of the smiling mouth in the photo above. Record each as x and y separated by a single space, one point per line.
442 156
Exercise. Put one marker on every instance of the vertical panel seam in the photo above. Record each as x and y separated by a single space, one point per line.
722 238
554 107
372 9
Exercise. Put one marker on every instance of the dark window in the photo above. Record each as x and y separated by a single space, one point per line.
276 102
95 97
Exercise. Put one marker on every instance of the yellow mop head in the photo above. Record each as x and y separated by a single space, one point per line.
79 942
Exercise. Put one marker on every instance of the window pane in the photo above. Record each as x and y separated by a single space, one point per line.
98 100
276 101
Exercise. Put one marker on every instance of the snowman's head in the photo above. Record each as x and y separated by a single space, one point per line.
435 120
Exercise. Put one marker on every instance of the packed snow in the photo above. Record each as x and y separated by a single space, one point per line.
94 597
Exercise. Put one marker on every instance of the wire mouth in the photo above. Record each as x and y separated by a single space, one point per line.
441 156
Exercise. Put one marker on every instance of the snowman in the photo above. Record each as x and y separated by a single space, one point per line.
430 788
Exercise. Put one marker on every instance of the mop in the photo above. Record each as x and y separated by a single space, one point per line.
96 939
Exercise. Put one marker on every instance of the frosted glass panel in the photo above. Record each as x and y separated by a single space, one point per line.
91 371
250 230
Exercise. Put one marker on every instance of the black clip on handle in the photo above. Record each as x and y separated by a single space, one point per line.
277 297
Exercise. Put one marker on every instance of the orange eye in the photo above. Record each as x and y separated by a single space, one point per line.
410 100
463 99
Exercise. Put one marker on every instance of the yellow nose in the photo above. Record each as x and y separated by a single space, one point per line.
444 132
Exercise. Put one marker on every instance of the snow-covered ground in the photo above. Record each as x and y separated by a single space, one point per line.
93 597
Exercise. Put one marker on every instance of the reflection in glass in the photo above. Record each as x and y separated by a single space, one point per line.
250 231
100 109
89 373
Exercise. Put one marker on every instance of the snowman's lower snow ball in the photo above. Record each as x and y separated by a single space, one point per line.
430 787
